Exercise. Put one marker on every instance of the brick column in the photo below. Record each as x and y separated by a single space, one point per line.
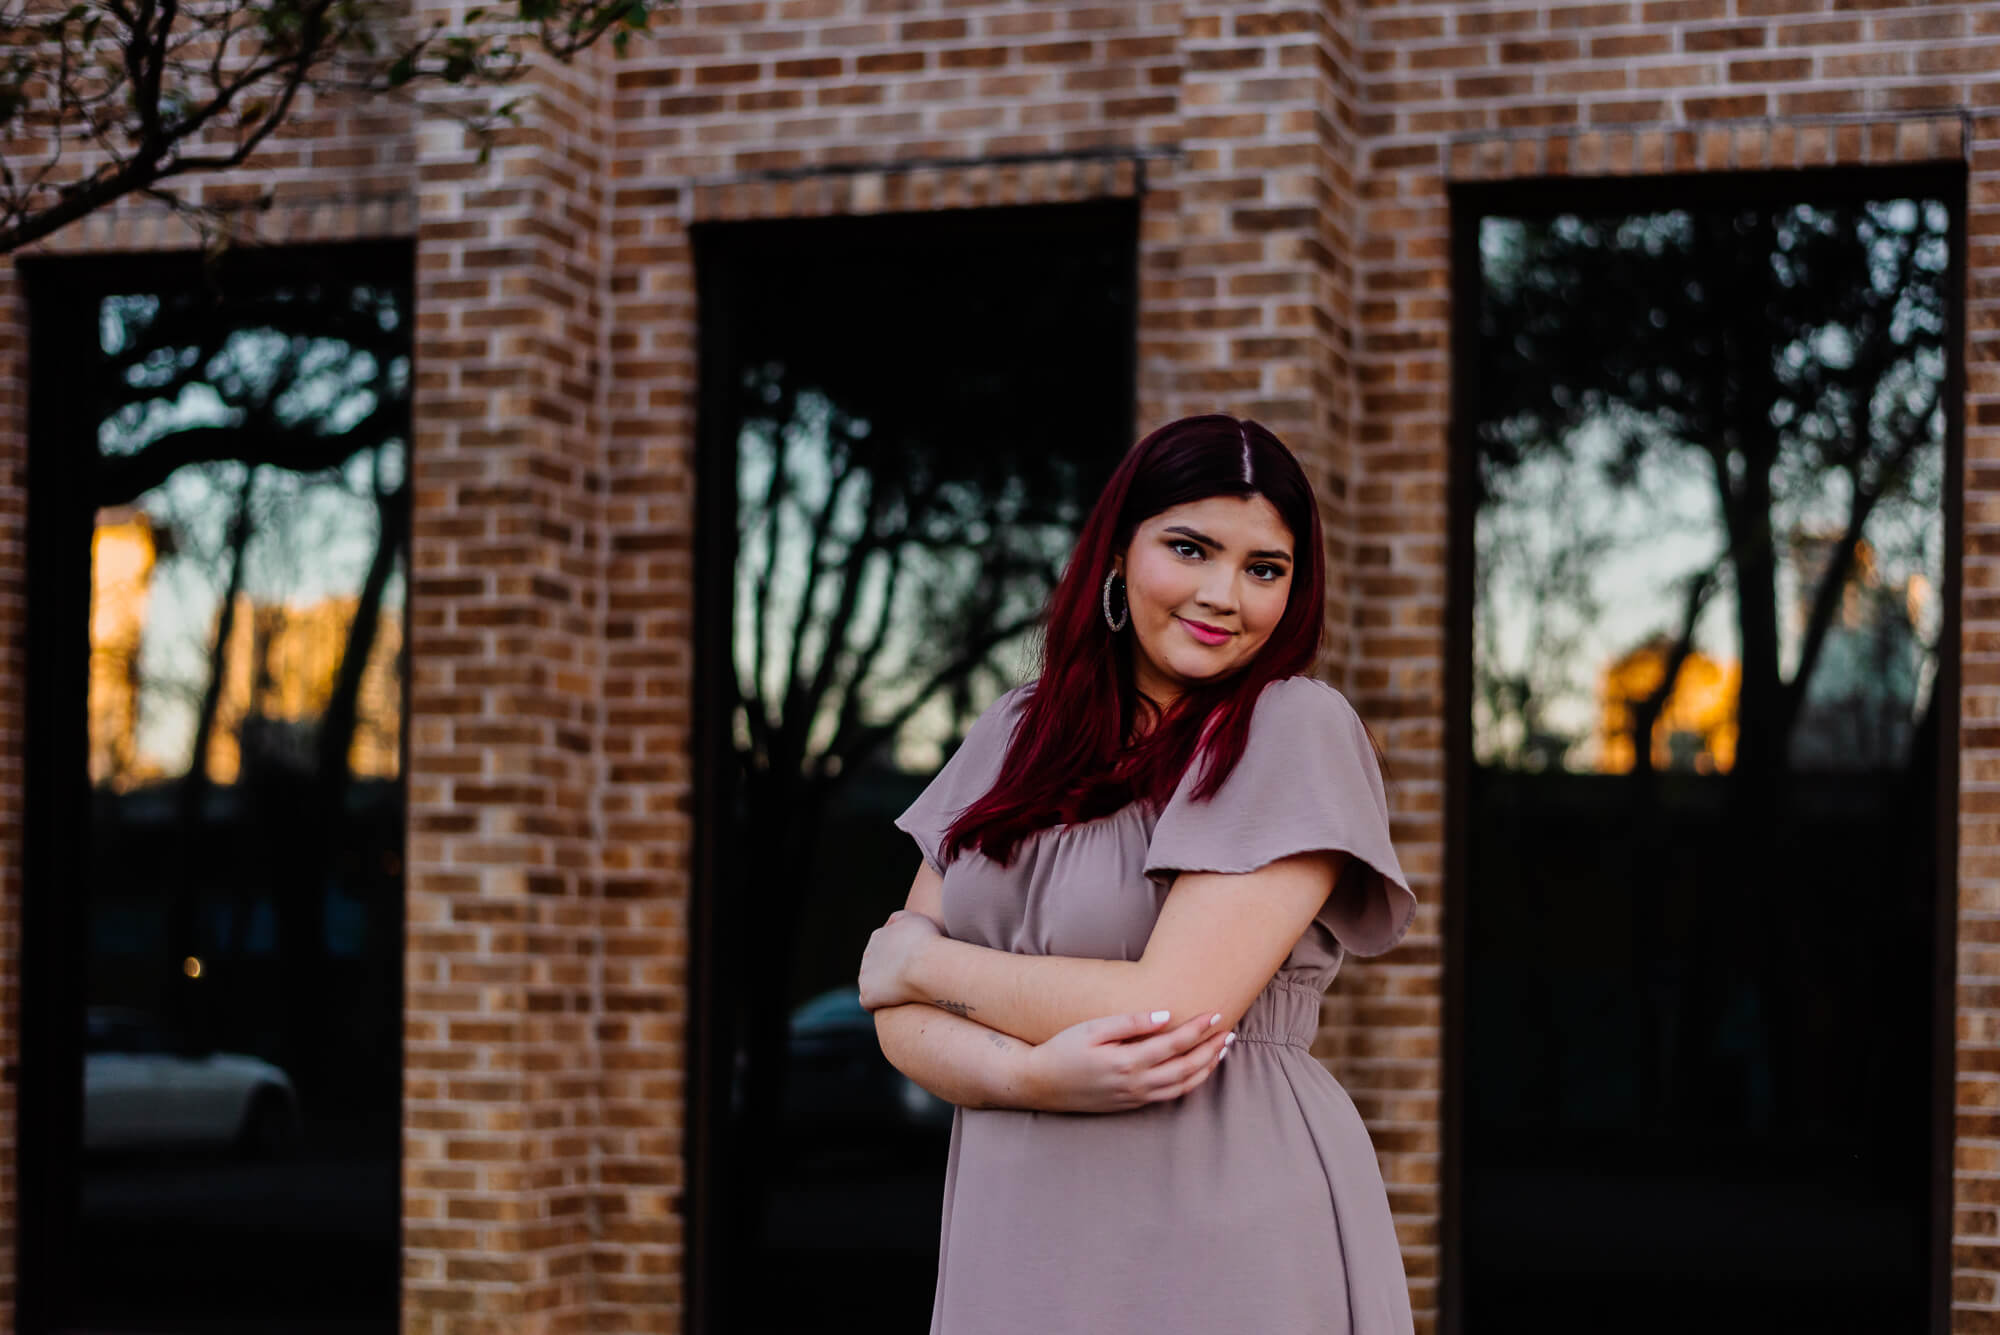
501 1082
1263 301
1975 1280
646 793
1258 303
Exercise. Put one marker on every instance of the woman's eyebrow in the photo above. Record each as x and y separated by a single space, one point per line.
1203 537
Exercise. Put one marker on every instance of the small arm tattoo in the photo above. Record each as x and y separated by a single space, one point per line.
958 1008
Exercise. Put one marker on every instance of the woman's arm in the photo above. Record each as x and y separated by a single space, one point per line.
1219 940
1107 1063
959 1060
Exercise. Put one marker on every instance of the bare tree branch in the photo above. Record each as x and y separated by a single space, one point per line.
1840 561
123 478
864 739
816 567
1646 712
111 82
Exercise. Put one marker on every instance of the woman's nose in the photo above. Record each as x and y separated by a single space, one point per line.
1218 593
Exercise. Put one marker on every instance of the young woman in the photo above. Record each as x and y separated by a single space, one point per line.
1172 825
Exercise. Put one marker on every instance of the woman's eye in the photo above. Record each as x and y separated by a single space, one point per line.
1271 572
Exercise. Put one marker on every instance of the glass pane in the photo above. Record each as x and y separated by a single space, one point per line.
916 413
238 1133
1709 545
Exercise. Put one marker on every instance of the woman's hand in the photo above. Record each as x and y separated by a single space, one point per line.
1119 1062
885 974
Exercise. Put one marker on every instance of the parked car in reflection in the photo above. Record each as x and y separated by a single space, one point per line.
842 1093
146 1088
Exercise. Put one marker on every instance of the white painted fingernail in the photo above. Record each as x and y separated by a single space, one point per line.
1159 1016
1215 1018
1228 1038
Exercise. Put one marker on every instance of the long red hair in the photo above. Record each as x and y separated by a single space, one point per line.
1066 762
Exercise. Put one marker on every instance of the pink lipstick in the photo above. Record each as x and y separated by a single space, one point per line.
1203 633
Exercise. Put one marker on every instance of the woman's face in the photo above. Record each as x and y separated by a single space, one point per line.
1207 583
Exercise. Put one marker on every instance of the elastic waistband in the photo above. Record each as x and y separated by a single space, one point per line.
1303 1045
1285 1013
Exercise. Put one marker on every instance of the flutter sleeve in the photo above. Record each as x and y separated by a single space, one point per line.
964 779
1308 779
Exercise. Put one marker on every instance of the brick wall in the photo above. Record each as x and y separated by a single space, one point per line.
1290 163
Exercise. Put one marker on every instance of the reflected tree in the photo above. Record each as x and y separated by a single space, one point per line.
1539 550
885 572
911 414
1780 368
262 436
1798 352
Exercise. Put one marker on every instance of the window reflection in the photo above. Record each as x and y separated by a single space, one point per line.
908 478
1708 452
240 440
1712 503
146 1087
277 672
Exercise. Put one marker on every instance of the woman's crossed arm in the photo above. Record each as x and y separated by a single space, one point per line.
1105 1063
1219 940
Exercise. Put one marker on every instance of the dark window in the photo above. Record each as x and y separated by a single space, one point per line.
904 420
219 550
1704 719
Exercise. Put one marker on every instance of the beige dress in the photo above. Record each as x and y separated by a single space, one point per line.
1252 1204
